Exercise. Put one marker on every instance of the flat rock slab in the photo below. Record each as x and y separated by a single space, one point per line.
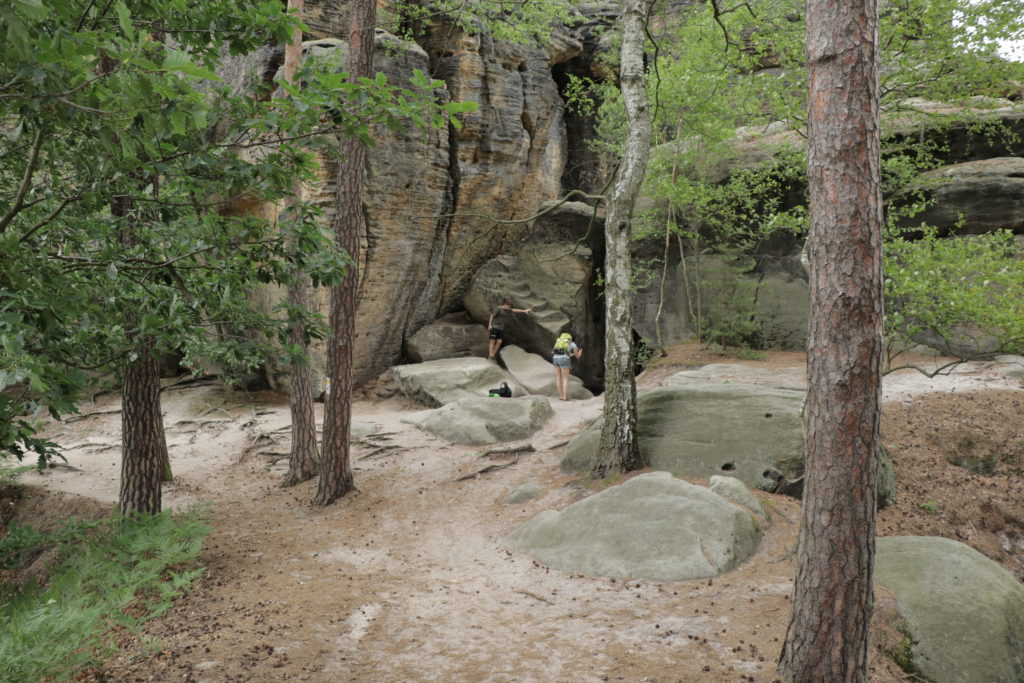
965 613
651 527
700 428
439 382
536 374
479 421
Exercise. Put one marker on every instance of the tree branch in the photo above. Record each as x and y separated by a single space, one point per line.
26 182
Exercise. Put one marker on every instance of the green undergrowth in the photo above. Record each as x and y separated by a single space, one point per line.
109 575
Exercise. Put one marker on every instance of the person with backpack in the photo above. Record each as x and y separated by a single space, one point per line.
565 350
496 325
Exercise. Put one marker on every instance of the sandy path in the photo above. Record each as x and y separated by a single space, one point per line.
407 580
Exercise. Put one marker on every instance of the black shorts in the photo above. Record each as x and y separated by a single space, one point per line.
495 333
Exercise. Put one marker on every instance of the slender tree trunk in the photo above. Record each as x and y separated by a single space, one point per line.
832 597
302 460
144 449
619 450
669 222
335 466
303 457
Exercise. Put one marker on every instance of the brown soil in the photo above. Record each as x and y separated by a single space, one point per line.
407 580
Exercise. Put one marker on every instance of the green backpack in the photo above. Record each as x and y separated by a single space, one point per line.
563 342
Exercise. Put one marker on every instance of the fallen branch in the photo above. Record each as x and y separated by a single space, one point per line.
557 445
535 597
379 450
489 469
83 416
524 448
187 380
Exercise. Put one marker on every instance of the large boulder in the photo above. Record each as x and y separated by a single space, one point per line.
651 527
439 382
537 375
975 197
482 420
701 424
964 612
452 336
553 275
700 428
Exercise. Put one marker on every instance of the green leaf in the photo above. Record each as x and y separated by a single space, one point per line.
33 9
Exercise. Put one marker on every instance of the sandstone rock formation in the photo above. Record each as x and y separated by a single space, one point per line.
552 273
985 195
432 195
438 382
964 612
699 425
452 336
651 527
480 420
536 374
697 428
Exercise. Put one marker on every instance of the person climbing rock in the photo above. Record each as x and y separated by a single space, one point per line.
565 350
496 325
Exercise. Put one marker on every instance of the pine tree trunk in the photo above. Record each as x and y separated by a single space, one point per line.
619 450
144 450
303 456
832 598
335 464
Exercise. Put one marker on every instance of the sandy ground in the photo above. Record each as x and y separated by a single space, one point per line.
407 580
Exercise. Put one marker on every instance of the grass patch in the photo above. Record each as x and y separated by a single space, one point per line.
116 573
751 354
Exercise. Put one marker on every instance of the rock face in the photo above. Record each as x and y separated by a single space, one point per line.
699 428
536 374
552 273
452 336
700 425
439 382
986 195
479 421
651 527
417 256
965 613
777 301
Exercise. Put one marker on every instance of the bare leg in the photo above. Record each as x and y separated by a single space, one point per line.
563 383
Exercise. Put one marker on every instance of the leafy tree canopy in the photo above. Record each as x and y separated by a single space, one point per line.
121 156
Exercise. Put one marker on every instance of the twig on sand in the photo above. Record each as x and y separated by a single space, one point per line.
558 444
379 450
524 448
82 416
489 469
535 597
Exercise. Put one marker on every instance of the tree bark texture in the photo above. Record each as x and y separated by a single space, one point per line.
833 598
303 458
144 449
335 463
619 451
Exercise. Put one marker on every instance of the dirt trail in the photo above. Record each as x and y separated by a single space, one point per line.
407 580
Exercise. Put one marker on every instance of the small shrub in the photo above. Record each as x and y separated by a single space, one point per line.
973 452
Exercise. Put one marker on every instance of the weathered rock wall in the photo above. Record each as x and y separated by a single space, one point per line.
433 196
